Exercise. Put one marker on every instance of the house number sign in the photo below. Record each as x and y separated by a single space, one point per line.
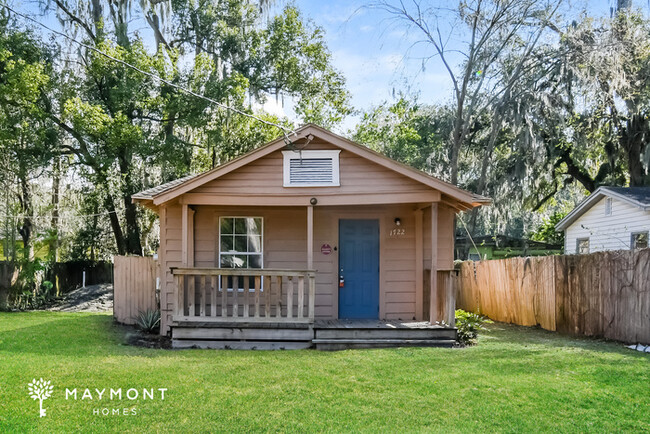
397 232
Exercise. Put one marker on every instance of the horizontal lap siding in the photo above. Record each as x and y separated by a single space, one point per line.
607 232
398 264
285 244
170 257
357 176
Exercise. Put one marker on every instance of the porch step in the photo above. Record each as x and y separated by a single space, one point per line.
344 344
386 333
240 345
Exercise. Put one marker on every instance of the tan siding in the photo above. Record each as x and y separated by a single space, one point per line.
357 176
170 257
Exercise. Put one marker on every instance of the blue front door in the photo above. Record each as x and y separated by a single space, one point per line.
359 267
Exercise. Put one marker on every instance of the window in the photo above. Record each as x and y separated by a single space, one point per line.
582 246
311 168
639 240
240 242
608 206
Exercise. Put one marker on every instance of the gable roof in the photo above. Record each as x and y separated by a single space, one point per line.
635 196
171 190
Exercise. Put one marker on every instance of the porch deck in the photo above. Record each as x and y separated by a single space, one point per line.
329 334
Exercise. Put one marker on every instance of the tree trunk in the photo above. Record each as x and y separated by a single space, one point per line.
27 212
633 142
133 245
54 222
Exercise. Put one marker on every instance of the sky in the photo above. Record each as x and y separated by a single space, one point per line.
378 56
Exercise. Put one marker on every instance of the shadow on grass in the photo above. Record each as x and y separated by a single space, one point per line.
527 337
70 334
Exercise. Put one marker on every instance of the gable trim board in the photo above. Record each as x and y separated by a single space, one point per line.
594 198
461 199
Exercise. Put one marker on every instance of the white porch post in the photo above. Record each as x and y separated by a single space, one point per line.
433 306
310 237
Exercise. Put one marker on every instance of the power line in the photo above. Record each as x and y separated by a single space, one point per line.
285 131
59 217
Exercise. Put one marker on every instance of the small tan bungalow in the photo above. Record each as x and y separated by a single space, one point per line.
321 241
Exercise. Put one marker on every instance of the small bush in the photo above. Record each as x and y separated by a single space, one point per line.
148 321
468 325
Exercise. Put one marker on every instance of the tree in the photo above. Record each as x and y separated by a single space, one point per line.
27 136
407 132
495 30
122 121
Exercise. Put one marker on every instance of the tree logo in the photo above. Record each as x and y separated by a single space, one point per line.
40 390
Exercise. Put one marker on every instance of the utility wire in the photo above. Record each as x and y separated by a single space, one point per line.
285 131
468 234
59 217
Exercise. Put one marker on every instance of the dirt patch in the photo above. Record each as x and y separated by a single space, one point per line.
139 339
93 298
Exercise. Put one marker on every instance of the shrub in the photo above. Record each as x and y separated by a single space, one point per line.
468 325
148 320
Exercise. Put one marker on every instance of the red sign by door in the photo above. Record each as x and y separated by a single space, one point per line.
326 249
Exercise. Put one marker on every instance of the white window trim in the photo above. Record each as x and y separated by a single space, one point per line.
578 240
296 155
247 254
633 236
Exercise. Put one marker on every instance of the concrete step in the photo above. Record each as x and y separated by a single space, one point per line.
344 344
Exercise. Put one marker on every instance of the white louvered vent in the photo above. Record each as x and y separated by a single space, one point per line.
311 168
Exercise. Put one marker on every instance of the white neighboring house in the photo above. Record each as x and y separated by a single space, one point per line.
611 218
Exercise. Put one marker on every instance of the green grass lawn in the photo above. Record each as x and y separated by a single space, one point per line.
516 379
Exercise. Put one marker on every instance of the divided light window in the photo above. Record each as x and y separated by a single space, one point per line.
639 240
240 242
311 168
582 246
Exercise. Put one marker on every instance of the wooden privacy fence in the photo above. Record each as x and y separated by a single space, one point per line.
603 294
134 287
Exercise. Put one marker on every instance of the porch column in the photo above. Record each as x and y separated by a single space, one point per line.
184 234
310 237
433 297
419 266
187 236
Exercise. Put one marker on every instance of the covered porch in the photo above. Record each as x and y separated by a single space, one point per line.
410 268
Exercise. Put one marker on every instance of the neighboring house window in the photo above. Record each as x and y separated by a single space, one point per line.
608 206
240 242
582 246
639 240
474 257
311 168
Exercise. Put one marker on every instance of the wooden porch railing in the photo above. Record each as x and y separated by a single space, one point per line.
244 295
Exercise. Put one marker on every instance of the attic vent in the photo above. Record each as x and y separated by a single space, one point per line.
311 168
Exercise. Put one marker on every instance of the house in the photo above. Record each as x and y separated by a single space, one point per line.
611 218
501 247
316 241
